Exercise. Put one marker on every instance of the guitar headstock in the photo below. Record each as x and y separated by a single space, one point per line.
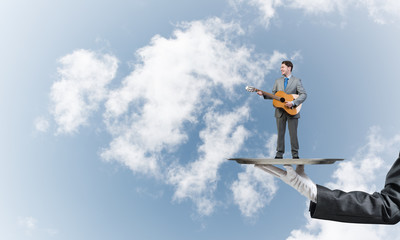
251 89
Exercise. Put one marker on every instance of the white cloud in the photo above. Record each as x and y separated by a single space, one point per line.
267 8
381 11
325 230
83 76
254 189
317 6
28 223
31 228
358 173
41 124
181 83
178 83
222 137
171 87
182 89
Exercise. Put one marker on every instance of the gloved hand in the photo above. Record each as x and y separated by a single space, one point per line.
295 178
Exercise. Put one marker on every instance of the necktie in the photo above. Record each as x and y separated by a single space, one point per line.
286 81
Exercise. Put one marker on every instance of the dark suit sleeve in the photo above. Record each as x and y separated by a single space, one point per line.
361 207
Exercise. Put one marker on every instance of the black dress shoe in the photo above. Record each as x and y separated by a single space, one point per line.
276 157
295 157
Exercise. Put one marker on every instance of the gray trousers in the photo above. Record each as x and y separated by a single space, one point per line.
292 126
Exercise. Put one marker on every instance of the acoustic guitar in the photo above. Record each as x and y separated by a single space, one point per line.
279 100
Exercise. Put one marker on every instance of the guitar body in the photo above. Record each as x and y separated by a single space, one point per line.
288 98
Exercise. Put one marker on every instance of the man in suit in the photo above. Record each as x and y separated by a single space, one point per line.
350 207
290 85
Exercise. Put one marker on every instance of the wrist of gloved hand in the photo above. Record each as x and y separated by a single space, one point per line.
297 179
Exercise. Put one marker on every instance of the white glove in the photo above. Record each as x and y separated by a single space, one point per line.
297 179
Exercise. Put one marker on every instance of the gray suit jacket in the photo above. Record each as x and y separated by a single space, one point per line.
294 87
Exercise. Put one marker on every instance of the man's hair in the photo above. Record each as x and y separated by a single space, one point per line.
289 64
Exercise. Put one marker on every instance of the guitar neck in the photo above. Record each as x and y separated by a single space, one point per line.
270 95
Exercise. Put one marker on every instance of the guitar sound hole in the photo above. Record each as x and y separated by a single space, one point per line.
282 99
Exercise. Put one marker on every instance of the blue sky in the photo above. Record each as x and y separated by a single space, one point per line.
118 116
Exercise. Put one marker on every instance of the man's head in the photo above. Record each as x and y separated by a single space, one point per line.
286 68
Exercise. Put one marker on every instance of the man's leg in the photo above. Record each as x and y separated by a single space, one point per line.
281 127
294 142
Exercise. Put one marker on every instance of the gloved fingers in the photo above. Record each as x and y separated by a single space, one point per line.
288 168
266 170
277 172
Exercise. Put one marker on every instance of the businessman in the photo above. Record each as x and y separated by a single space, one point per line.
290 85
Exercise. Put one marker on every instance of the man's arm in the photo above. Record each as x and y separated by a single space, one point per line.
354 207
301 92
351 207
361 207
